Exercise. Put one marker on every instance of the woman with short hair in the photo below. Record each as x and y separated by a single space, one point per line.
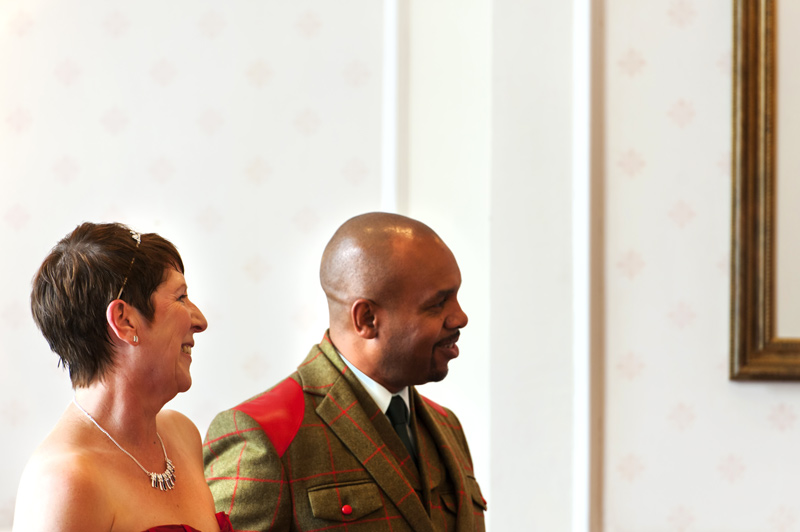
113 304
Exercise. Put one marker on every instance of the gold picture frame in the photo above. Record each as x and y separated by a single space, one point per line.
756 352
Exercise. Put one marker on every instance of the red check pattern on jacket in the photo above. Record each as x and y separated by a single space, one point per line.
315 453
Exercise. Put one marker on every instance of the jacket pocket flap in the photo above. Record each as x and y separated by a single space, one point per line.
344 502
449 501
475 491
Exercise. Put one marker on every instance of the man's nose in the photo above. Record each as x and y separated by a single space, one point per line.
457 319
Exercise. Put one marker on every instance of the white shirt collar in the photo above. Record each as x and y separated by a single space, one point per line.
379 394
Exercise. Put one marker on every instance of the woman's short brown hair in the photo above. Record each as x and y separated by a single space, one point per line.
83 273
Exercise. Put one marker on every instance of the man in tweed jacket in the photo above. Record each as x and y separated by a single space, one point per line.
317 451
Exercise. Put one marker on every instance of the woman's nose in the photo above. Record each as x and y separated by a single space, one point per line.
199 323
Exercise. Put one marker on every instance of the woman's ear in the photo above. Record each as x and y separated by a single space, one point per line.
362 316
122 321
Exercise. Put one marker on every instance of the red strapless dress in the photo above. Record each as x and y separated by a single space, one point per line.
222 520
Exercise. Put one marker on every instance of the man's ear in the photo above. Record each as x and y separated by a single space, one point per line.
362 316
122 321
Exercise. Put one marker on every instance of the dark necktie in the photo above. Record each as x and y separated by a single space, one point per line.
398 415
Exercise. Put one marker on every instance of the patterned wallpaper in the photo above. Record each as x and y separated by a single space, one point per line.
245 132
686 450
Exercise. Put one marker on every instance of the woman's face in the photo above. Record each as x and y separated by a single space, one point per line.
169 338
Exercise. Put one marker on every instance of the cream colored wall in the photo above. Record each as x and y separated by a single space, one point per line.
245 132
531 285
247 144
448 184
685 449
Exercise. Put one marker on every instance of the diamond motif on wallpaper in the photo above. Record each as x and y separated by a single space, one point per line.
630 467
7 511
255 365
681 518
630 264
354 171
305 316
210 122
67 71
630 366
20 24
212 24
256 268
724 264
731 468
725 164
682 113
209 219
631 63
682 417
682 214
308 24
681 13
356 74
631 163
783 519
14 314
783 417
725 63
682 315
114 120
259 74
116 23
113 213
307 122
16 217
258 171
13 414
66 170
617 528
163 72
161 169
306 219
19 120
722 365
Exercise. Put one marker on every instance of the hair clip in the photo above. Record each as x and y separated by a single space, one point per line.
138 238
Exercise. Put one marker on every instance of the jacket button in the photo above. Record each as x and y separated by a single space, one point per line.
347 509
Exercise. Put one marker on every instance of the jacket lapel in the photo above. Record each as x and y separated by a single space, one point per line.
454 465
430 464
344 408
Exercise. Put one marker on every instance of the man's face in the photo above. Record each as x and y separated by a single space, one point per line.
418 330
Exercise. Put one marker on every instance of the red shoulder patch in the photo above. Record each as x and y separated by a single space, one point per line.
279 411
435 406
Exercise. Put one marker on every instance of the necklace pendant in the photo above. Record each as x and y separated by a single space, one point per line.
164 481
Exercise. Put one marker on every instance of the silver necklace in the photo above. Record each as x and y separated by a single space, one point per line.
163 481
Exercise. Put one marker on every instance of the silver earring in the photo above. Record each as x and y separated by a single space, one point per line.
135 339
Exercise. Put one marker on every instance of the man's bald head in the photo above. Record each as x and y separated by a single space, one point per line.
359 261
392 288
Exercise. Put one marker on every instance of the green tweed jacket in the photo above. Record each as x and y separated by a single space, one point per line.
315 453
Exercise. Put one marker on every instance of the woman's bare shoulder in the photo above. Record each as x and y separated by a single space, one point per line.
180 429
175 422
62 489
